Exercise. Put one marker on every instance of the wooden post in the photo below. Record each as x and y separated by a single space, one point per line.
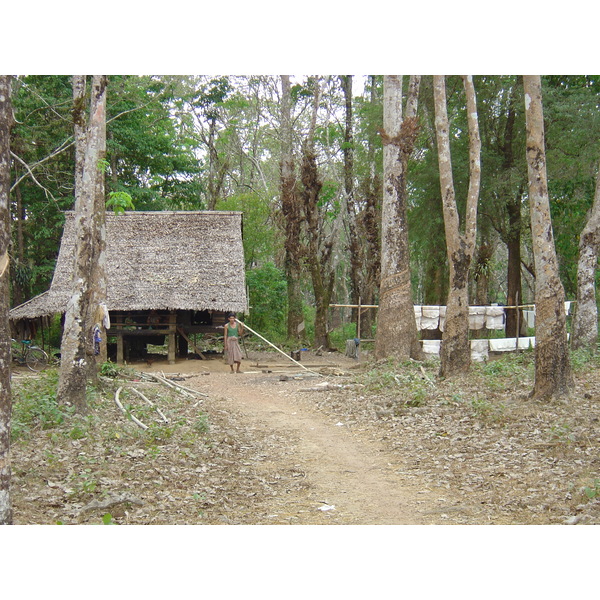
518 324
120 353
358 319
172 349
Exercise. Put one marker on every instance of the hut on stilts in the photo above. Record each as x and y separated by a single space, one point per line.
169 275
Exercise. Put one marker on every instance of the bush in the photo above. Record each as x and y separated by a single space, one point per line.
35 406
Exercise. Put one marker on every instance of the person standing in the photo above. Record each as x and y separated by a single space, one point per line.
233 332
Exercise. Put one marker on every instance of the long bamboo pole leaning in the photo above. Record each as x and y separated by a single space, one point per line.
274 346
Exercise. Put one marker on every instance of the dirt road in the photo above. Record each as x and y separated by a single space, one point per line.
337 474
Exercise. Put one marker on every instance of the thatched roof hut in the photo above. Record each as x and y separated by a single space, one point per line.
172 260
187 265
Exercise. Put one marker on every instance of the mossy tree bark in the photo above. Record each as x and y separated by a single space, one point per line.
396 325
553 376
291 214
77 341
585 322
5 357
353 243
455 351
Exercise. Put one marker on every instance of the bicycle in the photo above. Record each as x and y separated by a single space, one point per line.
32 356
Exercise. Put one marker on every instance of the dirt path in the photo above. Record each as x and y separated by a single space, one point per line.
340 476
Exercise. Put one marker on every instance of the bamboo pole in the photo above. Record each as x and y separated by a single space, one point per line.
274 346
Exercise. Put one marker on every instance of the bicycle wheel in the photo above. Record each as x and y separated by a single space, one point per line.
36 359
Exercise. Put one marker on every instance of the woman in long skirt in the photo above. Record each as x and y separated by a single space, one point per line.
233 332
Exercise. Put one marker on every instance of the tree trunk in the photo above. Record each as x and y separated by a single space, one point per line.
371 225
585 322
455 352
292 216
318 252
354 246
5 357
77 341
513 275
396 325
319 242
553 376
514 292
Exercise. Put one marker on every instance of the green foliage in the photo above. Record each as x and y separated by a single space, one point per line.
592 491
404 379
339 335
560 434
584 358
260 236
487 410
201 425
119 202
35 406
268 300
110 369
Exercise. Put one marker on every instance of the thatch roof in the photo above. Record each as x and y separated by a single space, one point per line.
158 260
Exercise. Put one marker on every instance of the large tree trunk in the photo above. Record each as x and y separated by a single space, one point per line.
396 325
318 251
319 241
5 357
553 376
585 322
292 216
77 341
456 349
354 245
98 278
514 294
370 223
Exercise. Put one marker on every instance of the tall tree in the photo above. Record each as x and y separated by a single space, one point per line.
585 322
396 325
370 217
353 244
6 117
456 350
320 242
77 341
553 376
292 214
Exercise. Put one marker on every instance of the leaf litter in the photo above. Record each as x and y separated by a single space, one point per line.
475 449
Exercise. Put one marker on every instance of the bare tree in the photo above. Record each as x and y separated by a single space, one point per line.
553 377
6 119
456 350
585 322
77 341
396 325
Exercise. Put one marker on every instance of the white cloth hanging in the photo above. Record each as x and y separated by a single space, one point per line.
418 316
503 345
442 318
479 350
430 317
431 347
476 317
494 317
